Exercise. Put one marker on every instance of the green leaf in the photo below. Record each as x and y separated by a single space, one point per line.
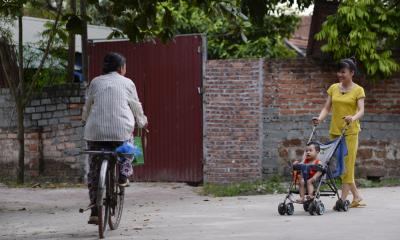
74 25
369 30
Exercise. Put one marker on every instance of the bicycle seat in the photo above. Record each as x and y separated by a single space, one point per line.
126 150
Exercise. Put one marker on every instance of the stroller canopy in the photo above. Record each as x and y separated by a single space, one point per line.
332 154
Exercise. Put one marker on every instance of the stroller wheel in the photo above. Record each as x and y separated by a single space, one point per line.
339 205
346 205
306 205
312 208
320 208
289 209
281 209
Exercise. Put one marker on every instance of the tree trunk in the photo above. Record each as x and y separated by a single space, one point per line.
85 72
322 9
21 142
71 48
20 103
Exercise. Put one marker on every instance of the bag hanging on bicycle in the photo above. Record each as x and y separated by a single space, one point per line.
139 153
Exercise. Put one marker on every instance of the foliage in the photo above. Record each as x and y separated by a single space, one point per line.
6 23
55 64
234 28
54 71
230 33
276 185
271 185
59 47
39 183
387 182
40 9
368 30
11 8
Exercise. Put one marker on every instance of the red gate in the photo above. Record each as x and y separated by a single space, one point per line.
168 78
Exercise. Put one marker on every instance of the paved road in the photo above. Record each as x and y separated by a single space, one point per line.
175 212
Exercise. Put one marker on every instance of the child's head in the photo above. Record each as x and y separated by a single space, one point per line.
312 150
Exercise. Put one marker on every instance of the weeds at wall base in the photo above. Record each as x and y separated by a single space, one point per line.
276 185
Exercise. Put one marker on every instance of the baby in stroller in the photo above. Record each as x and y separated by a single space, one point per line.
310 173
321 165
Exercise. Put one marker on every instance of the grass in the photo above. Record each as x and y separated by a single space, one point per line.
387 182
43 185
268 186
276 185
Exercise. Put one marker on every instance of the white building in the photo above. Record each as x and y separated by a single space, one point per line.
33 28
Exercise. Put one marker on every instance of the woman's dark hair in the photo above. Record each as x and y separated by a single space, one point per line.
316 146
112 62
349 63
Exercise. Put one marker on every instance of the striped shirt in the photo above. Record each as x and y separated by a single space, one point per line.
111 108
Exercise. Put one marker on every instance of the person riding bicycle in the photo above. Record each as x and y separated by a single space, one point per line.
111 110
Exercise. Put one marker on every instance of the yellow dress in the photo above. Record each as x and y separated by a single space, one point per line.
345 104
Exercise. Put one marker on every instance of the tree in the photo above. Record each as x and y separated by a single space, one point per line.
71 47
84 38
12 63
47 9
368 30
235 35
138 20
246 28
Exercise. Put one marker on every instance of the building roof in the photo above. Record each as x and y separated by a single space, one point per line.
300 36
33 27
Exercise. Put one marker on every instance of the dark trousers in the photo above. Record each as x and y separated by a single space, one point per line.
95 165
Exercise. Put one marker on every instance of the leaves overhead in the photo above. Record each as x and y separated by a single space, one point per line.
234 28
368 30
11 8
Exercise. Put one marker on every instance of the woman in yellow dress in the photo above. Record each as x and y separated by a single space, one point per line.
346 101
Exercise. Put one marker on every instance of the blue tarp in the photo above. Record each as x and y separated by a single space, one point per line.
341 153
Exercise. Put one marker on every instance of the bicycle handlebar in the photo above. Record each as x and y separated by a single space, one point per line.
98 152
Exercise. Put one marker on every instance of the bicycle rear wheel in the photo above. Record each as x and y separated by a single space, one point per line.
103 197
117 194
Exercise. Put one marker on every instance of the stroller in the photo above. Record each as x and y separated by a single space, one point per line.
331 156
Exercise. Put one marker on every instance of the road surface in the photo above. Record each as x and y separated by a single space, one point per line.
175 211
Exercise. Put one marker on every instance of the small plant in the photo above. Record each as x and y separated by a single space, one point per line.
275 184
387 182
43 185
269 186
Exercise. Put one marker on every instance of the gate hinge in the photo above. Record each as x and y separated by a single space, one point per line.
200 90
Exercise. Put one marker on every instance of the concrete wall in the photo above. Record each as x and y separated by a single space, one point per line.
53 132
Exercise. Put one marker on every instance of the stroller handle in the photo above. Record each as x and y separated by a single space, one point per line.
312 133
344 128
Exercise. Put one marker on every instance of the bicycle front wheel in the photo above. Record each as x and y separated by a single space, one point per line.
103 197
116 198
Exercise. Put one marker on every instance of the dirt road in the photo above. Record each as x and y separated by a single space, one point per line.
176 212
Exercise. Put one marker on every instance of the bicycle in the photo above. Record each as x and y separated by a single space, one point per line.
110 196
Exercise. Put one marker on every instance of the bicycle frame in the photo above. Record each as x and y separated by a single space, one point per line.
107 198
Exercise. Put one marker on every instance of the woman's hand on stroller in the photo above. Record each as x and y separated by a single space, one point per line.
316 121
348 119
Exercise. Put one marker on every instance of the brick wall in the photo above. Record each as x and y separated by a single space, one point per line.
9 154
232 120
53 132
295 91
256 119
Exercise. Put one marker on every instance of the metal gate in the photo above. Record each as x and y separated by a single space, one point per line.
168 78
